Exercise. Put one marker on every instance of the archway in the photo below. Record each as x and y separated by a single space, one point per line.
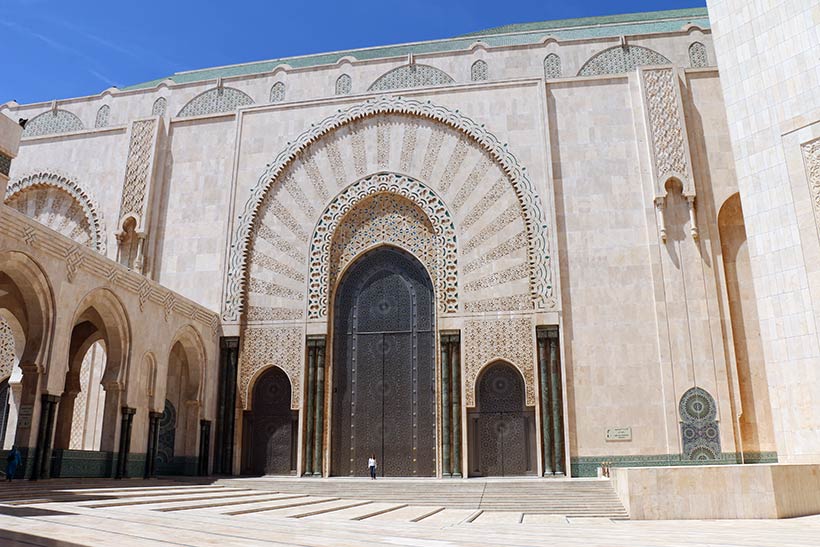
501 428
89 409
756 428
178 441
270 427
384 367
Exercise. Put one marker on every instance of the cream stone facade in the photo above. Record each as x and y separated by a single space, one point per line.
526 242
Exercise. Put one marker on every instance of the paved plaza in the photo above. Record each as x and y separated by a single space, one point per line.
139 513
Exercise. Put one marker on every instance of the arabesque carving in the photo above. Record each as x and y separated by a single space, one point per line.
268 346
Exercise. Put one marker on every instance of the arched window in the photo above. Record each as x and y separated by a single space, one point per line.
552 66
479 72
215 101
343 85
160 106
52 122
408 76
697 55
277 92
102 116
621 59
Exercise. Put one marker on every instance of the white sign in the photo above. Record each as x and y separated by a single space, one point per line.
619 434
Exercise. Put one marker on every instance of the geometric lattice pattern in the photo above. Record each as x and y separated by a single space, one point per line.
665 125
215 101
552 66
102 116
408 76
268 346
160 106
277 92
479 71
510 340
136 168
7 354
699 427
697 55
621 59
344 85
52 122
383 219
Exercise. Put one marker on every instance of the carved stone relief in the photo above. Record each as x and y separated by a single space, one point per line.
666 126
137 169
467 156
811 158
487 341
52 122
215 101
59 202
7 354
269 346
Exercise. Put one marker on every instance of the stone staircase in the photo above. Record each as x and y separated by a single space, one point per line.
566 497
322 512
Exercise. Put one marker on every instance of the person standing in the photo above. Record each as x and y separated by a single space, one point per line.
371 464
12 461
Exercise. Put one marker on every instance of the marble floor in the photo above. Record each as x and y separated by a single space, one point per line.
163 512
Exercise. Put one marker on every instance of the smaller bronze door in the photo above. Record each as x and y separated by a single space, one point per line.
270 427
501 428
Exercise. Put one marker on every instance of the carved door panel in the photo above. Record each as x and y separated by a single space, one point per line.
383 368
271 426
501 427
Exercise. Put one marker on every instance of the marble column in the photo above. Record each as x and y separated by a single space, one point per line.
126 423
318 428
226 405
204 447
455 382
310 402
153 444
446 465
45 436
546 410
557 404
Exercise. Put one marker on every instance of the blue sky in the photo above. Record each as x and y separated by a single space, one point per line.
57 49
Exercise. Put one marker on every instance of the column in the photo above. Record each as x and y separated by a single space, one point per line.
557 403
546 410
126 422
319 425
45 435
226 405
153 444
65 415
455 382
204 447
446 468
111 409
310 401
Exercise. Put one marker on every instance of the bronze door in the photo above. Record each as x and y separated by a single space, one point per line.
271 426
501 428
383 367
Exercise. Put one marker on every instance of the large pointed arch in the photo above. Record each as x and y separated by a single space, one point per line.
529 205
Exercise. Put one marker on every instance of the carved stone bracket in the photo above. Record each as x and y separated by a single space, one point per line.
667 139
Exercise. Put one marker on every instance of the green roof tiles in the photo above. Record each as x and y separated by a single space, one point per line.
509 35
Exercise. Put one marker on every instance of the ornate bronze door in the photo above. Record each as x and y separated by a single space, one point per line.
271 427
384 367
501 428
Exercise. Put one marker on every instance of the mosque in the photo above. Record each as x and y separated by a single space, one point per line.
527 251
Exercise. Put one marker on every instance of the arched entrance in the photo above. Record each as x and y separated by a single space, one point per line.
270 427
501 428
384 367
